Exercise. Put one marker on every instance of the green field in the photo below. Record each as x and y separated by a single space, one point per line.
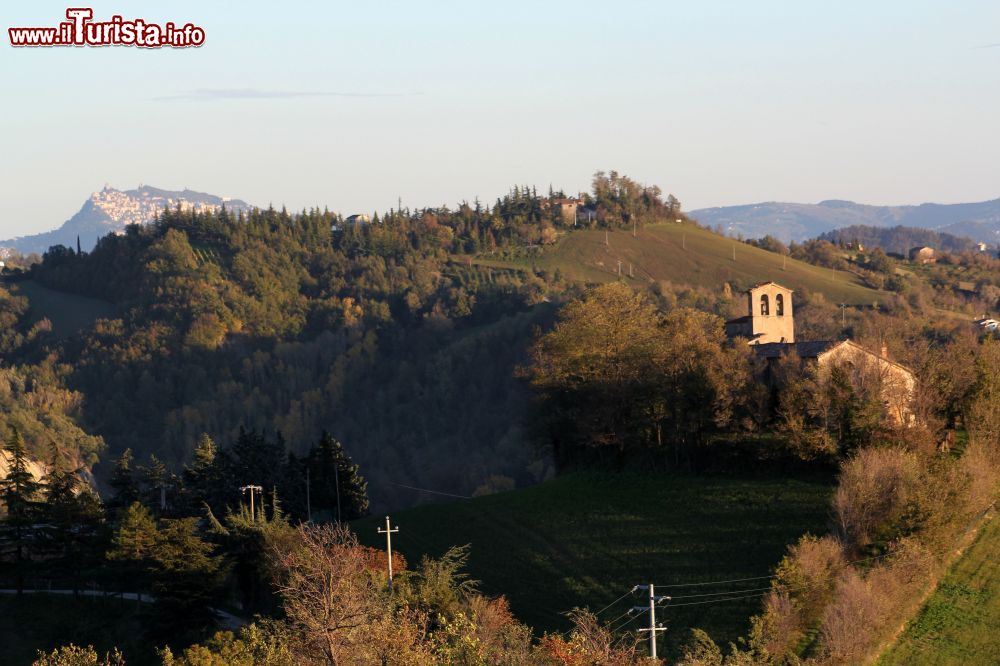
960 623
685 254
69 313
587 537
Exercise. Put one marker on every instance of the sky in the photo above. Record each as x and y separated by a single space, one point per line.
353 105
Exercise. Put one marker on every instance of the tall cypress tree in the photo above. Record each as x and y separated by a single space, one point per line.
19 492
132 546
158 487
71 518
124 488
203 479
187 578
337 484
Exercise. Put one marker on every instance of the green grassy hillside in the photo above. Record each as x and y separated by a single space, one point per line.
68 313
960 623
586 538
685 254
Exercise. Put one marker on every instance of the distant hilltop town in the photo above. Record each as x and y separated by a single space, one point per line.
110 210
142 205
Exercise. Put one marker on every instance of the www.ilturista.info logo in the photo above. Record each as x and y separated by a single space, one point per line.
80 30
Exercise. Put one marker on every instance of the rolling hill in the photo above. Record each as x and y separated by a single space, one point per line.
68 313
686 254
795 221
584 539
960 622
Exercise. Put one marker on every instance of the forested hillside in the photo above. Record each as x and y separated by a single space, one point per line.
897 239
321 368
298 323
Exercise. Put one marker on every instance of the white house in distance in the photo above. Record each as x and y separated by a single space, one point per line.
987 324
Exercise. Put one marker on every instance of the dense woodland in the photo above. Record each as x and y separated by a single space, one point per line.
379 333
248 348
898 240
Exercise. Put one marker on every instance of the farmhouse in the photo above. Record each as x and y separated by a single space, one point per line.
922 255
769 326
987 324
566 207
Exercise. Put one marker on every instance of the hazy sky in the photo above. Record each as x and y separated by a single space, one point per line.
352 104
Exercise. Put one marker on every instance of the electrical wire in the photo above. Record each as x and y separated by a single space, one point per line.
425 490
628 621
716 582
715 601
614 602
718 594
745 580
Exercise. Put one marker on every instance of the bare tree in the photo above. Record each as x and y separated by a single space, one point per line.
328 593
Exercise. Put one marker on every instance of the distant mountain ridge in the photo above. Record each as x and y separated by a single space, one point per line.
110 210
794 221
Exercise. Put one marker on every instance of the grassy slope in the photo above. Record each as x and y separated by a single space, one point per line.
68 313
685 254
960 623
585 538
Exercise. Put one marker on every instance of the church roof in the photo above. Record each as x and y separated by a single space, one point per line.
807 349
815 349
767 282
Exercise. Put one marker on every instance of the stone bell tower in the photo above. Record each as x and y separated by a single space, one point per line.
769 315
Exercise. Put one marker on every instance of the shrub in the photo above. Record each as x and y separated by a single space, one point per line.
877 489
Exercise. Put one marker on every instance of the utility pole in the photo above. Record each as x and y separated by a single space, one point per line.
843 314
619 268
734 251
651 609
336 485
309 511
388 532
630 271
252 490
606 238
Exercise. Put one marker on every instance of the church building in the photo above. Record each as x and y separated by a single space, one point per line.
769 327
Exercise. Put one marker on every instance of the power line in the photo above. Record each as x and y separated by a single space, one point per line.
719 582
614 602
625 623
425 490
744 580
719 594
628 612
724 596
716 601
